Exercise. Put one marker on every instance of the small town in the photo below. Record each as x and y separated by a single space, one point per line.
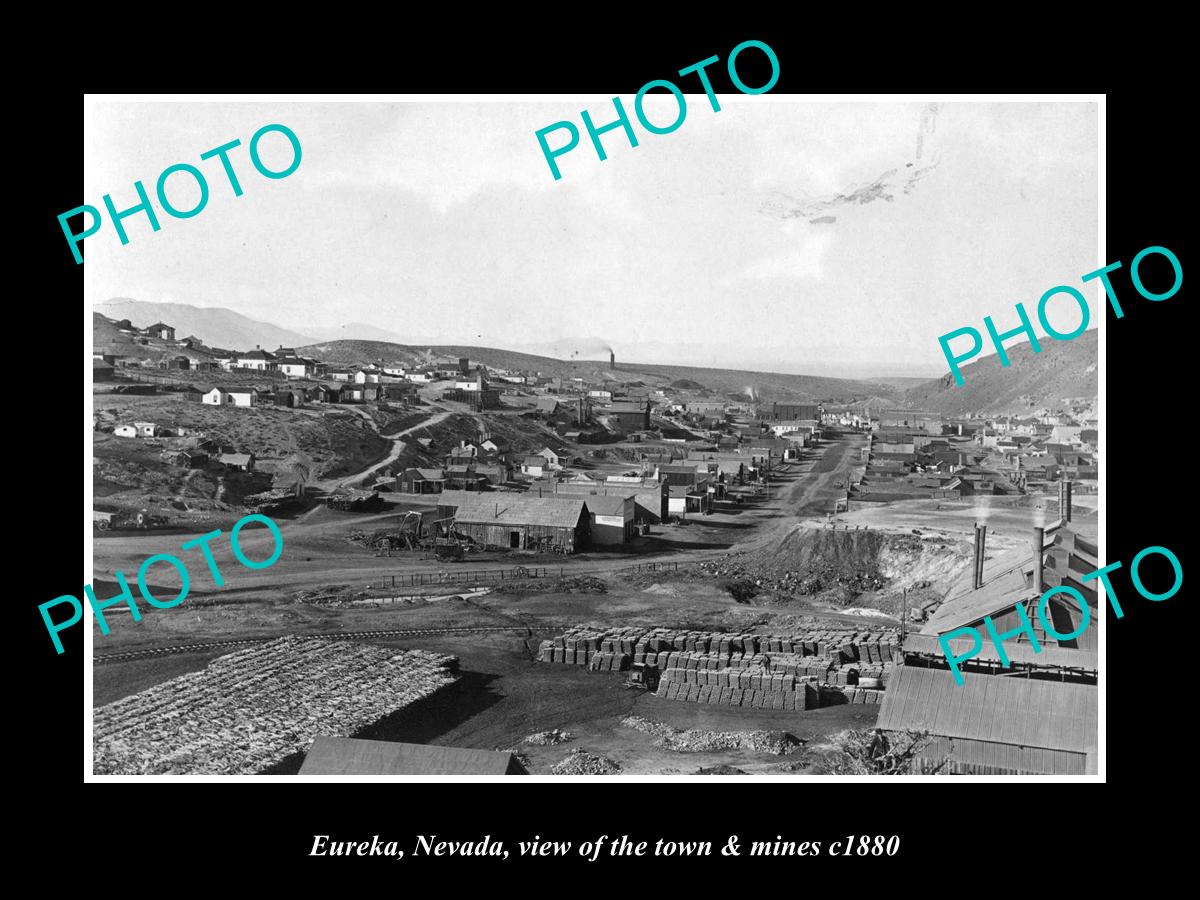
502 563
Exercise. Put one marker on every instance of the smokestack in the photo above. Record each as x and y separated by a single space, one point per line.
1039 540
1064 502
980 544
612 359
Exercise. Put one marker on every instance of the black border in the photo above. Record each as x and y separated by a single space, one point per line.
1145 430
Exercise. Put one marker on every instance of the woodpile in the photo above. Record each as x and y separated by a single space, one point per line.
249 710
797 671
354 500
815 650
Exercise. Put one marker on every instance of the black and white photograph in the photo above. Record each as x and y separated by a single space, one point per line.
469 438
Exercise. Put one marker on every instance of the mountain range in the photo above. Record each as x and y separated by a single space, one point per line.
1062 371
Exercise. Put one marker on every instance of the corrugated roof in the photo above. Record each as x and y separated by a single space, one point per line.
551 511
354 756
1026 712
1022 652
455 498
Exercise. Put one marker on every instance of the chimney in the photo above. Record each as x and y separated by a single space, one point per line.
980 543
612 359
1065 504
1039 540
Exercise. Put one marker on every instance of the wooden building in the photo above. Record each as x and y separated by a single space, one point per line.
243 462
612 518
794 411
649 494
519 521
629 416
420 481
289 397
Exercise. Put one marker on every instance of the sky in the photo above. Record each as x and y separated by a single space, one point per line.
775 234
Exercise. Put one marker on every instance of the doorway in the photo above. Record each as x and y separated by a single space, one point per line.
514 540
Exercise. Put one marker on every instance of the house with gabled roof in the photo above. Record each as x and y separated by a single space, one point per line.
159 330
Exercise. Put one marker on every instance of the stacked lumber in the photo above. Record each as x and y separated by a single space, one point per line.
797 671
247 711
808 650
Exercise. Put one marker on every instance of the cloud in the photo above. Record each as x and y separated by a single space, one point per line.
885 187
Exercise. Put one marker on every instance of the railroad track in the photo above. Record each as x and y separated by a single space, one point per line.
344 635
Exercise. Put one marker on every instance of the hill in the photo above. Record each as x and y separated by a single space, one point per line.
106 338
1063 370
357 331
216 326
358 351
768 386
730 382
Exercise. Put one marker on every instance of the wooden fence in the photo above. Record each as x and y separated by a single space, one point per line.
516 573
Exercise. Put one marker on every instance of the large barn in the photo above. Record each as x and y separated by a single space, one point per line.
519 521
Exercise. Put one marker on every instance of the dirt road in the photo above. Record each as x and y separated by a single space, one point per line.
332 484
810 494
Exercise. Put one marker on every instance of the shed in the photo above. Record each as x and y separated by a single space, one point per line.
535 466
354 756
241 461
238 396
289 397
324 393
189 459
